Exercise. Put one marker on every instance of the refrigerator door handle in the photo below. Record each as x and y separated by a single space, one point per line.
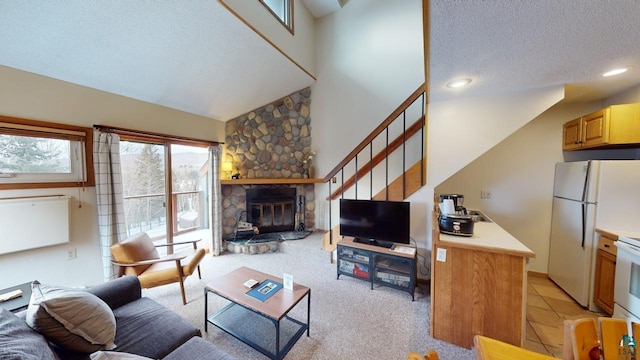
585 187
584 223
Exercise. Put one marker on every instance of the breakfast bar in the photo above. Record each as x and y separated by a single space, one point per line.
478 285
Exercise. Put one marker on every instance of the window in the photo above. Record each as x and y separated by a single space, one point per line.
282 10
42 155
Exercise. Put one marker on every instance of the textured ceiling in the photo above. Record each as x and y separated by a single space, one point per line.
188 55
510 45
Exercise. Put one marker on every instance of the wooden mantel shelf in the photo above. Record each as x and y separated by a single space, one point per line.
270 181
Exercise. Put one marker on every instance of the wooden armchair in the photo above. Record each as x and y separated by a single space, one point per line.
138 256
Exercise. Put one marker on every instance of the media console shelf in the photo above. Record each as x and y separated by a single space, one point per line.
381 266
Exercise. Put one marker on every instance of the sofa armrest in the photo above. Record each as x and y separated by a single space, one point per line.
118 292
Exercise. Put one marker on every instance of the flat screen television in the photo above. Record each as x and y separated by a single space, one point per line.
380 223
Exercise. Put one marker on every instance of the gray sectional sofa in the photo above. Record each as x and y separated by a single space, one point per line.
142 327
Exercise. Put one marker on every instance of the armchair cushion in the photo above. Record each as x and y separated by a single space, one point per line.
136 248
72 319
166 272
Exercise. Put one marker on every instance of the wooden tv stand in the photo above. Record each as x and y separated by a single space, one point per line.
381 266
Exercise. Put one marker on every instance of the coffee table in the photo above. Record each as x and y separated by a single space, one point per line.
259 324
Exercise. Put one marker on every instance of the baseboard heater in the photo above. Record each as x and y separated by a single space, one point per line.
33 222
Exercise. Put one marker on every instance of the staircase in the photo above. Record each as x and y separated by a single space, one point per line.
397 170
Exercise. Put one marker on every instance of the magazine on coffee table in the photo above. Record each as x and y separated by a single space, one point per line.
265 290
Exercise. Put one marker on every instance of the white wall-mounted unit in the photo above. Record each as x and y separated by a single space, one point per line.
33 222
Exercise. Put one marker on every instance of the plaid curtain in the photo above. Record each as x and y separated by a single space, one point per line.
216 200
111 221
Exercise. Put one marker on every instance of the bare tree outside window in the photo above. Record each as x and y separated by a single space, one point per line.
146 195
143 187
25 154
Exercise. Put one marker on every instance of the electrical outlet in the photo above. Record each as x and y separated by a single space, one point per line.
485 194
441 255
71 254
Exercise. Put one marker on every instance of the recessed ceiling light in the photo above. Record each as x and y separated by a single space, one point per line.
615 72
458 83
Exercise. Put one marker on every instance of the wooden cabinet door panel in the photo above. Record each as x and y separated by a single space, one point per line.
595 129
572 135
604 281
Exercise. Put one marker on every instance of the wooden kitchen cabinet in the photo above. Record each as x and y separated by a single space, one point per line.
613 126
605 273
572 135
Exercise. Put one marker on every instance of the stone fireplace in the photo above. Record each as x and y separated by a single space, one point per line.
269 149
272 208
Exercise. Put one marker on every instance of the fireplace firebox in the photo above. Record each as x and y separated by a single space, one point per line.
272 209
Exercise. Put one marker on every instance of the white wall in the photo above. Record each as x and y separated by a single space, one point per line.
50 264
30 96
626 97
519 174
461 130
299 46
369 59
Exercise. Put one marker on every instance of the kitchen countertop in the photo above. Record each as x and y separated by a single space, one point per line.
613 233
489 236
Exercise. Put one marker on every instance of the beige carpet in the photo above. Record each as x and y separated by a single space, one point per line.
348 319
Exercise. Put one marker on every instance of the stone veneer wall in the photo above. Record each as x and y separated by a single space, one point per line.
269 143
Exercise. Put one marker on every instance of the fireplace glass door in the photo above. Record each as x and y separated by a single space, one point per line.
272 215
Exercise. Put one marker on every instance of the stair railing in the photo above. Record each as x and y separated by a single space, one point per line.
389 148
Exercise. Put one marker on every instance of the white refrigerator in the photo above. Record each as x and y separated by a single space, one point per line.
588 195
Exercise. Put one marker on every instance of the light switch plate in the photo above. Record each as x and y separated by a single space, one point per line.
441 255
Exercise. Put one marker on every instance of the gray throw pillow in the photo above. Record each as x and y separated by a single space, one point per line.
70 318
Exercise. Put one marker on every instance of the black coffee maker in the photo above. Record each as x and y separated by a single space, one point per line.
458 201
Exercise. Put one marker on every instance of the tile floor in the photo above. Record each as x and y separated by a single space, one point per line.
547 307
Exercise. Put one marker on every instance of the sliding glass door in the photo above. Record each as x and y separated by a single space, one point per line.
144 189
168 211
189 192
